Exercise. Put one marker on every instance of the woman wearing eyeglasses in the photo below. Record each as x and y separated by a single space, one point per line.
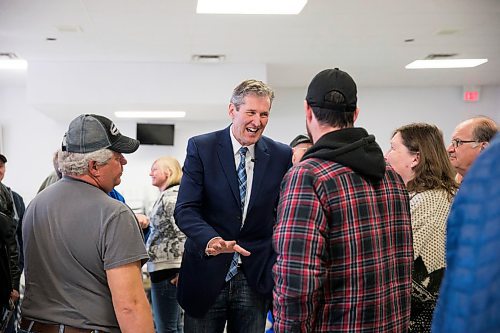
419 156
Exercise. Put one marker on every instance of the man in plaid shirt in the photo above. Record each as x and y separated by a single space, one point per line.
343 236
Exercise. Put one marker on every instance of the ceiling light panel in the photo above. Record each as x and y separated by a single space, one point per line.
283 7
150 114
14 64
446 63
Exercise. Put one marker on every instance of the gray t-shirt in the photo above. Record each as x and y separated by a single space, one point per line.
73 232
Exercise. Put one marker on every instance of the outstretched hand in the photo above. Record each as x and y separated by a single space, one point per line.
218 245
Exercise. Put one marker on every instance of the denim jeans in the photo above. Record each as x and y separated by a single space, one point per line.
242 308
166 310
13 313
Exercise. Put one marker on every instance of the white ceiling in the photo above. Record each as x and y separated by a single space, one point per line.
364 37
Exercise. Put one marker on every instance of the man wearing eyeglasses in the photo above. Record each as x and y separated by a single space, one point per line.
299 146
468 140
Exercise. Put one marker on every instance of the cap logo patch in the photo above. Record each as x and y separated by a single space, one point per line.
114 130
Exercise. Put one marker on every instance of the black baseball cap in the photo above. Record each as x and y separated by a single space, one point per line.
332 80
301 138
91 132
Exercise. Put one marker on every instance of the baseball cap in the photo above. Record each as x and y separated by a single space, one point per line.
91 132
332 80
301 138
3 159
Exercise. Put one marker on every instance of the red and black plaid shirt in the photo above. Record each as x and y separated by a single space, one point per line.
344 251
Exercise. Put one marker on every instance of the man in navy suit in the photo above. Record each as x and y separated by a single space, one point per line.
227 208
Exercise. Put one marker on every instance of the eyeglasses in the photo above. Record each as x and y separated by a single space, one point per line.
299 148
458 142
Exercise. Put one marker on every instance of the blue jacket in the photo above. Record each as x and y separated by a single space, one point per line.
208 206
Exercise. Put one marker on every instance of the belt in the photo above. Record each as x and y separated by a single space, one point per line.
38 327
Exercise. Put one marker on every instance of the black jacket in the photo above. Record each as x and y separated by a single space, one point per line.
9 254
9 270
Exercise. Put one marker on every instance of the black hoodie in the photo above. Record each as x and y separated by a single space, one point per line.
353 148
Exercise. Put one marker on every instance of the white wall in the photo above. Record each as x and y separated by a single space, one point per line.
29 140
384 109
30 137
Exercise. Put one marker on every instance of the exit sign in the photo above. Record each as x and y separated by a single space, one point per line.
471 94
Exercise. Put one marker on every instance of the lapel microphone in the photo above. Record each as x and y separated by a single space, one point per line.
253 160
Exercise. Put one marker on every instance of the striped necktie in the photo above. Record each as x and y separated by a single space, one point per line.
242 183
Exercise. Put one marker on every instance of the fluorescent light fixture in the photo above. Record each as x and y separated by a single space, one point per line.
284 7
18 64
150 114
445 63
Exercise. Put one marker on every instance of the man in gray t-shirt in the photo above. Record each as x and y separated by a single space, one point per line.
83 249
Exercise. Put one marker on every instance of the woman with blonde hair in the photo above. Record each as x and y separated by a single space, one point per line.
165 246
419 156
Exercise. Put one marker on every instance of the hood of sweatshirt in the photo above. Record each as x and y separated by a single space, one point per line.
353 148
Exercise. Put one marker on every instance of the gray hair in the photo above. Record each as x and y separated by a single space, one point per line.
78 164
251 87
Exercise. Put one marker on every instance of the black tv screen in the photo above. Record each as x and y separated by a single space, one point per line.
155 134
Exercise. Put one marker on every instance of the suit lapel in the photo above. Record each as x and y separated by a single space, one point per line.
262 160
226 158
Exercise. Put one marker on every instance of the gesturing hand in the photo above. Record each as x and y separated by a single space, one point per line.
218 245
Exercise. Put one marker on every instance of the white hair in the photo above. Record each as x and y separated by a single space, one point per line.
78 164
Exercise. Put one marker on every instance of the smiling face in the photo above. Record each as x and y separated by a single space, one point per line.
401 158
159 177
251 119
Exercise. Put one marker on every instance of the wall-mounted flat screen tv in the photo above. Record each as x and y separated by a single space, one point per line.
155 134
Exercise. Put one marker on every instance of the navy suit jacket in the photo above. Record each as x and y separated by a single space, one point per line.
208 206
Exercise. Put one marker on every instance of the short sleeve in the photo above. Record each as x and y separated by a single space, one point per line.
122 241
